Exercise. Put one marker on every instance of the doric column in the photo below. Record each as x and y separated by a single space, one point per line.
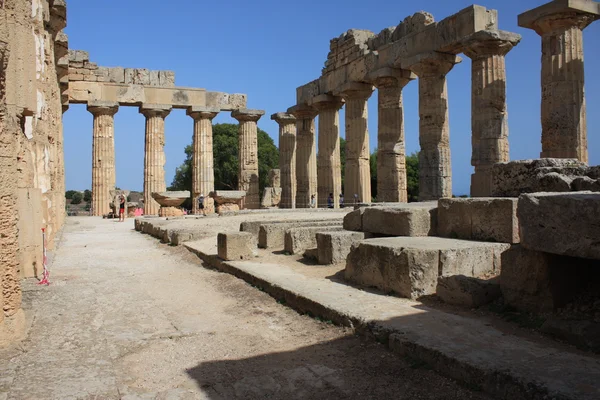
103 155
564 131
391 149
329 166
203 173
248 153
154 154
357 178
435 168
306 154
489 116
287 158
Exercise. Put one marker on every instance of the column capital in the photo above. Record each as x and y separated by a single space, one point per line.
354 90
283 118
303 111
202 112
103 107
326 102
488 43
246 114
431 63
560 15
155 110
391 77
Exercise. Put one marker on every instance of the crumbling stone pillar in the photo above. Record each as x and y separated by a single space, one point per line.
287 158
560 24
103 155
435 168
306 154
489 116
154 154
391 149
358 171
248 153
203 172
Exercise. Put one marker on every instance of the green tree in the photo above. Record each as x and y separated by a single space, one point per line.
87 195
77 198
69 194
412 176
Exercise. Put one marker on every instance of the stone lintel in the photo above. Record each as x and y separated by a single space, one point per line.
433 59
283 118
484 43
326 101
387 75
100 106
530 18
246 114
202 112
354 89
303 111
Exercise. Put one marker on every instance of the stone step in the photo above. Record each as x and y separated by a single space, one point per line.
334 247
254 226
272 236
403 219
234 246
410 266
301 238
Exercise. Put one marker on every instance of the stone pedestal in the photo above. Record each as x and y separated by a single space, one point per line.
329 166
203 173
306 154
560 24
357 179
435 169
154 155
170 202
103 155
489 117
228 200
391 149
248 153
287 158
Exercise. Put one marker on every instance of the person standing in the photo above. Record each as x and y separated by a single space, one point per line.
341 200
122 208
330 201
313 201
201 204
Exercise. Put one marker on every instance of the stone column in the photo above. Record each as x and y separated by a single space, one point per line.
435 168
560 24
306 154
358 170
391 149
287 158
103 155
203 173
329 166
248 153
489 116
154 154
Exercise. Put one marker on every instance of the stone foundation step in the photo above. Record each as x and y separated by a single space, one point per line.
272 236
401 219
299 239
334 247
410 266
254 226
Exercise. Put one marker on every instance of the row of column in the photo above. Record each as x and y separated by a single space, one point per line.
203 180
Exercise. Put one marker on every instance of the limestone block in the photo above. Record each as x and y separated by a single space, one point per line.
334 247
78 56
481 218
353 220
272 235
585 183
467 291
234 246
166 78
297 240
410 266
227 207
275 178
29 204
153 77
116 75
254 226
131 94
170 212
561 223
410 219
171 198
271 197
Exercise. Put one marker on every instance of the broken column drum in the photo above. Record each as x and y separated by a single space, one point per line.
203 173
287 158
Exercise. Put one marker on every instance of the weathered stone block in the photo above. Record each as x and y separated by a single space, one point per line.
353 220
467 291
232 246
299 239
334 247
561 223
116 75
487 219
410 266
78 56
410 219
272 236
30 232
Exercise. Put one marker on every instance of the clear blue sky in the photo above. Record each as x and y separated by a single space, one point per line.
267 48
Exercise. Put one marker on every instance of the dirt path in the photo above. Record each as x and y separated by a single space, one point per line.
126 317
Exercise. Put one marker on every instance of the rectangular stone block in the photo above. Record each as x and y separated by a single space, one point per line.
272 236
234 246
467 291
410 266
334 247
254 226
297 240
480 218
30 232
353 220
410 219
561 223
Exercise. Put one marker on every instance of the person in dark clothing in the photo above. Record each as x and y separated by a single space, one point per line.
201 204
341 200
122 209
330 201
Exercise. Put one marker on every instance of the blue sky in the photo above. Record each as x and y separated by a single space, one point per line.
267 48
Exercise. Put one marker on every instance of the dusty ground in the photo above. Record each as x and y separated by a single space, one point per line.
126 317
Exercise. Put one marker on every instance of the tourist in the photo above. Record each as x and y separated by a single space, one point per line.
341 200
330 201
122 209
356 199
201 204
313 201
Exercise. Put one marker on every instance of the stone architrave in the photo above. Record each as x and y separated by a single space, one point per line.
489 116
306 154
560 24
391 149
287 158
103 155
154 154
248 153
435 169
203 173
357 180
329 165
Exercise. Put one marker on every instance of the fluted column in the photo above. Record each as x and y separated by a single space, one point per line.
391 148
103 155
435 168
154 154
287 158
203 173
248 153
564 130
306 154
357 178
489 115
